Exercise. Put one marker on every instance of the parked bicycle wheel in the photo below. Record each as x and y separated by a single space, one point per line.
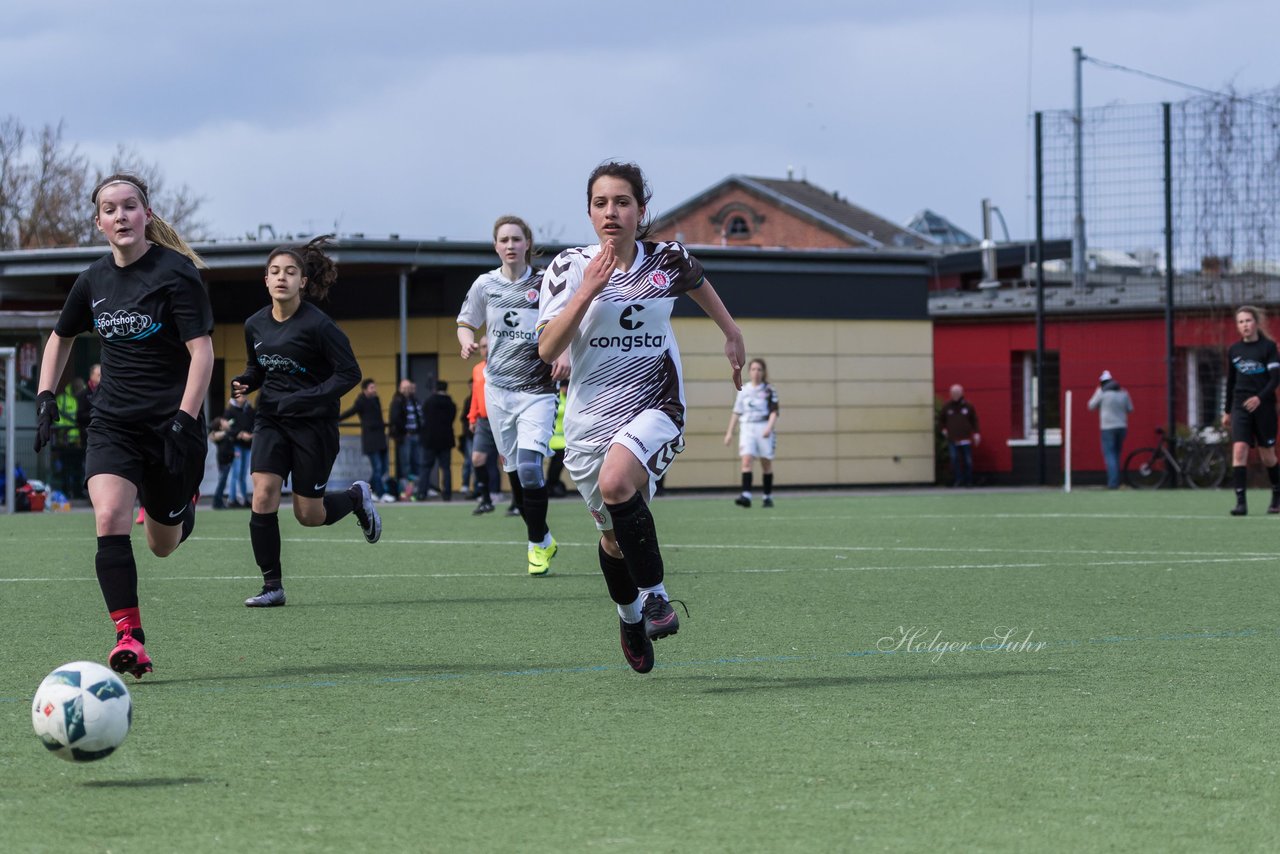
1146 468
1208 467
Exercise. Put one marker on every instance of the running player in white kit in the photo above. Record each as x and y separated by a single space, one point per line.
610 304
755 413
519 388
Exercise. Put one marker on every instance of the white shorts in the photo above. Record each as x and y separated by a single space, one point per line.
651 437
753 443
520 419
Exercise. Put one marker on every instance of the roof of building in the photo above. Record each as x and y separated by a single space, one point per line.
826 209
941 229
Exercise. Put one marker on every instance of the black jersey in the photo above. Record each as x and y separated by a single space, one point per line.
144 314
1252 370
307 357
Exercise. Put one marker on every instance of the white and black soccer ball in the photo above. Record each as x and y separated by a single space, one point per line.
82 712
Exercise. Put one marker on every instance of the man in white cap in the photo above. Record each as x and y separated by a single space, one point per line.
1113 405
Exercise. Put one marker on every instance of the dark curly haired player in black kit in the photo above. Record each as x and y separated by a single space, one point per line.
304 365
1253 373
150 310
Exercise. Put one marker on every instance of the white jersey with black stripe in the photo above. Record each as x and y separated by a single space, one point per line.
624 358
509 310
755 402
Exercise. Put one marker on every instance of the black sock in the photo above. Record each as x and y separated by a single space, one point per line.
1273 475
622 590
264 535
117 572
337 505
1238 480
188 523
517 489
534 510
638 539
746 482
768 484
482 484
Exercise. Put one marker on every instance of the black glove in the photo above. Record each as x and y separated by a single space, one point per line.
183 441
245 380
46 415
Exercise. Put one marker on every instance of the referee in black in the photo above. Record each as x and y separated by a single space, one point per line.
149 308
304 365
1253 373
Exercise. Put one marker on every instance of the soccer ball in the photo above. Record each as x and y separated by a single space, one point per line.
82 712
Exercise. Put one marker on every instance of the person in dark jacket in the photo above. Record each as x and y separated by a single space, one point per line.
958 421
438 412
373 436
405 427
224 442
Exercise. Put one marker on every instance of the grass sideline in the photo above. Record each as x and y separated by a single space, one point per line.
830 691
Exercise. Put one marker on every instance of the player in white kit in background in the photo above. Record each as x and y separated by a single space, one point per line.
755 413
610 305
519 388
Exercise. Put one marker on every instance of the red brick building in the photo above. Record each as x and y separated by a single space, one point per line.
780 213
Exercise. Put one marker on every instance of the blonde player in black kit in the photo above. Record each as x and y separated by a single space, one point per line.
1253 373
303 363
150 311
610 305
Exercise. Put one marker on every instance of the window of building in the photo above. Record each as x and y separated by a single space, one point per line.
738 227
1206 386
1026 418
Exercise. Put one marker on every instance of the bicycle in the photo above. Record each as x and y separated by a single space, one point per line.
1186 461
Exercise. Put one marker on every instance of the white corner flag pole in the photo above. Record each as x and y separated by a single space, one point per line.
1066 443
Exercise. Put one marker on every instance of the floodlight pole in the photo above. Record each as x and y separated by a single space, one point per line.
1078 262
1041 452
1170 390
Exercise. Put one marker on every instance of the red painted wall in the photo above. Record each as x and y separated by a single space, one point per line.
980 356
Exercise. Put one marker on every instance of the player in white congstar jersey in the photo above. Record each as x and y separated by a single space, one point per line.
610 305
755 413
519 388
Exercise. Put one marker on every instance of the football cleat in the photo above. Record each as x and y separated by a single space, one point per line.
660 618
637 649
768 501
1274 506
742 501
129 655
540 558
366 511
270 597
1241 509
482 508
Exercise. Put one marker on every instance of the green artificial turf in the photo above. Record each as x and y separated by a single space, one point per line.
976 671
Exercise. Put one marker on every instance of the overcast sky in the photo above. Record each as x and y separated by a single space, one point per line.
429 118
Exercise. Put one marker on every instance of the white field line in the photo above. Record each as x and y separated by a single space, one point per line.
945 567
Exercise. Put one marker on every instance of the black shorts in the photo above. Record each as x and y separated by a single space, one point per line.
135 452
305 448
1257 428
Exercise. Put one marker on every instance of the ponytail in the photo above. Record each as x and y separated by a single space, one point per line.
159 231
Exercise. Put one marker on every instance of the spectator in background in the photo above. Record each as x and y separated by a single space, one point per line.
1113 406
406 423
224 443
438 412
465 439
373 436
68 445
84 402
239 415
958 422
